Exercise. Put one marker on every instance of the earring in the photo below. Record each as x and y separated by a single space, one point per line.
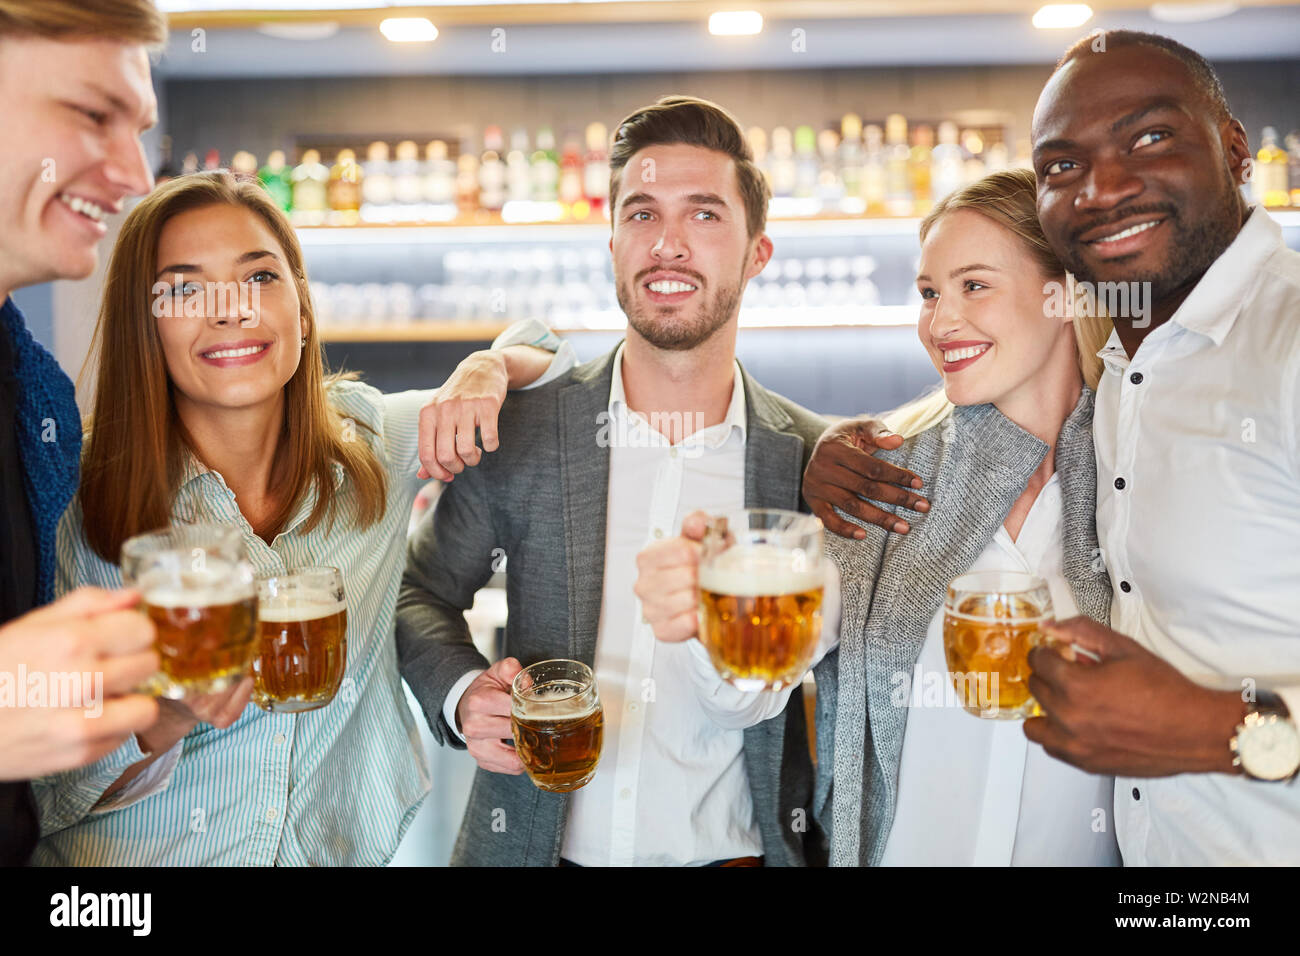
304 341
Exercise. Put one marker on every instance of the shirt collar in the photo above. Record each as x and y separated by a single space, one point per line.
713 436
1215 302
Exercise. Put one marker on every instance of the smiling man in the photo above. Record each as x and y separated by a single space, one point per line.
593 467
1197 431
75 96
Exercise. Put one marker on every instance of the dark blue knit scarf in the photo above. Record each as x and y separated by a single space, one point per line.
49 439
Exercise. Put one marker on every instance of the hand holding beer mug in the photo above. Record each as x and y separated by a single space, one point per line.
197 588
762 581
558 724
303 649
991 621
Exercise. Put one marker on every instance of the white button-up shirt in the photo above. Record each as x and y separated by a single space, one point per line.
1198 515
975 792
671 786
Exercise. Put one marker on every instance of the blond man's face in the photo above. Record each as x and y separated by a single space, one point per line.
73 113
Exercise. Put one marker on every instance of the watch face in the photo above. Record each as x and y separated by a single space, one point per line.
1269 750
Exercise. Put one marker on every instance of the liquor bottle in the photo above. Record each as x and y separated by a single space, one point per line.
595 169
918 165
344 192
377 184
784 172
898 186
408 186
973 143
806 165
212 160
850 155
873 170
492 170
1293 165
762 158
467 189
275 176
519 175
438 176
166 170
244 164
545 166
310 180
1268 184
190 164
946 163
830 185
997 157
570 188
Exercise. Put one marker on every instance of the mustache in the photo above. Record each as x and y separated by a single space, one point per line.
1163 208
640 276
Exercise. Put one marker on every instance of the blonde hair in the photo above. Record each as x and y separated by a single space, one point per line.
136 445
1009 198
128 21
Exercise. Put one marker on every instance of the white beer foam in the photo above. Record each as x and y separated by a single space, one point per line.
552 702
218 583
760 570
296 608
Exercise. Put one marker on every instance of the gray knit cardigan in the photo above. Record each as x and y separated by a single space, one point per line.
975 464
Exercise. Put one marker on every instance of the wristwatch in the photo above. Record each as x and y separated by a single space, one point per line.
1266 745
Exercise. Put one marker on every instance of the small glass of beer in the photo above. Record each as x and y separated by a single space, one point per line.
558 724
991 621
304 649
198 590
762 581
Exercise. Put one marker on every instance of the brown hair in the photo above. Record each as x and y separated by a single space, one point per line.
136 444
1008 197
129 21
693 122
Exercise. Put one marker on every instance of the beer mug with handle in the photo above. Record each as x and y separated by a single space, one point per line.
558 724
762 581
991 621
197 587
303 650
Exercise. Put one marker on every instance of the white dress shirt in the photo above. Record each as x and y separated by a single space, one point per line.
1198 515
976 792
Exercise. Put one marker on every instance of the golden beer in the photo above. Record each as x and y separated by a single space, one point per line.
992 620
303 650
197 588
761 588
558 724
202 647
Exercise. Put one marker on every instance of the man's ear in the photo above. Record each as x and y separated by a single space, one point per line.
1236 147
761 256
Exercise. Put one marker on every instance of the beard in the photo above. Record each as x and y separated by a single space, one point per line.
1194 245
674 329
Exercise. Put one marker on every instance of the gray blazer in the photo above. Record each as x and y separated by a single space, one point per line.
975 464
542 498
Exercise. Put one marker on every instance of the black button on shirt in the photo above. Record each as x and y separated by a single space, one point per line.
18 826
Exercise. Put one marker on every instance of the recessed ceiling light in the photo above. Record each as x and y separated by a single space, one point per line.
299 31
409 29
1056 16
736 23
1191 12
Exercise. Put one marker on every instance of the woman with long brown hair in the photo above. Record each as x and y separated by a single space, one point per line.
213 404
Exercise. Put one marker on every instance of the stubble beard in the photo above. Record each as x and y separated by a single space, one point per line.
675 329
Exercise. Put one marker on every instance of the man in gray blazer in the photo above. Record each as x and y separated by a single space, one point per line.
592 467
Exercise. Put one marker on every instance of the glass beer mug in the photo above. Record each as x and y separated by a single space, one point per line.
762 581
991 621
558 724
303 650
198 589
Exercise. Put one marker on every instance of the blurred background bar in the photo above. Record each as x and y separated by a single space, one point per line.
446 167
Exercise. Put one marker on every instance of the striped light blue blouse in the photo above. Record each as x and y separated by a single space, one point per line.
335 786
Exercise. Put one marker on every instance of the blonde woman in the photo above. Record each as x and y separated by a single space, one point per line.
1006 450
206 413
